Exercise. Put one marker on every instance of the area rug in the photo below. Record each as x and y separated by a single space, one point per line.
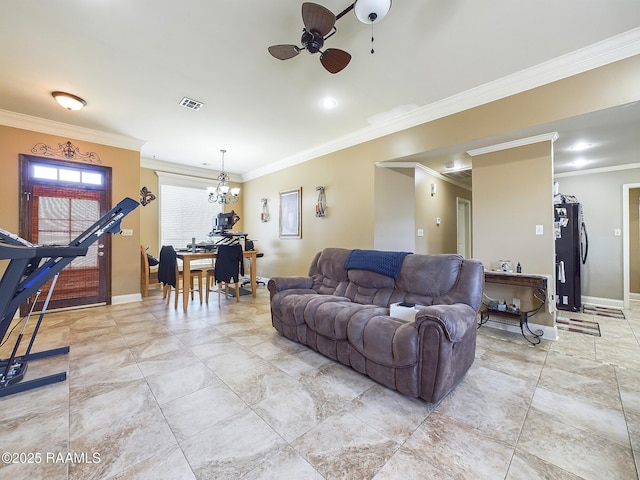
603 311
579 326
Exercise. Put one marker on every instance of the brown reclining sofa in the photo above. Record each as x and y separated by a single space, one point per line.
341 309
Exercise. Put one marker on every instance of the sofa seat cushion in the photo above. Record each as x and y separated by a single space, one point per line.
330 319
385 340
296 308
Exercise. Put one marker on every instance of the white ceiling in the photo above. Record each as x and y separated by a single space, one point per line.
133 61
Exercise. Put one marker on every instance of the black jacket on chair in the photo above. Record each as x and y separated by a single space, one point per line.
167 266
229 263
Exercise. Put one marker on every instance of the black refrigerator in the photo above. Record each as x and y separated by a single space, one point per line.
572 247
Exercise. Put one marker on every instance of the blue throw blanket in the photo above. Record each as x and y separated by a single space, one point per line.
386 263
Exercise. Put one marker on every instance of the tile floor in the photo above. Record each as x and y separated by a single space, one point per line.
153 393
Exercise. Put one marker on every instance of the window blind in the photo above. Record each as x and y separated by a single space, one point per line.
185 213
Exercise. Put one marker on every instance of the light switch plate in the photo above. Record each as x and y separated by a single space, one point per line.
126 232
420 232
539 229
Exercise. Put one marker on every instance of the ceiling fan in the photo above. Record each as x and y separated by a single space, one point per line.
319 25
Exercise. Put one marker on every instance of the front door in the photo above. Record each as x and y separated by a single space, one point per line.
60 200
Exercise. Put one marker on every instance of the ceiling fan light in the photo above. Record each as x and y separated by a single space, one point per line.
68 101
371 11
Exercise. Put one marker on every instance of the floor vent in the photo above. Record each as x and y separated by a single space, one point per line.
191 104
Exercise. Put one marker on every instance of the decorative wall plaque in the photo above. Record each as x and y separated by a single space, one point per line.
66 150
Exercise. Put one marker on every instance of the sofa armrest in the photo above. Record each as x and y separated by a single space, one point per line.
455 319
278 284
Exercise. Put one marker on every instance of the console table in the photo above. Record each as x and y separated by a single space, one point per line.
538 283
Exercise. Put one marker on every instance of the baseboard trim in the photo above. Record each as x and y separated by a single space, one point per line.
548 333
603 302
119 299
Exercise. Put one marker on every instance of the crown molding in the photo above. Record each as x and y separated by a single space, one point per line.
592 171
521 142
611 50
50 127
179 169
425 169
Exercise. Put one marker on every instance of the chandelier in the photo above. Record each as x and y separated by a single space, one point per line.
223 193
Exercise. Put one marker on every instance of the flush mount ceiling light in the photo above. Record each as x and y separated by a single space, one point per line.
68 100
371 11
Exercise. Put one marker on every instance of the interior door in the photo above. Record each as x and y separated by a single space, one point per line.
60 200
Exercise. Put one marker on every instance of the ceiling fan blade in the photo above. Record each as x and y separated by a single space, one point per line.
284 52
317 18
334 60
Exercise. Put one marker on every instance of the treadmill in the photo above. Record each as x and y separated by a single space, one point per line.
30 267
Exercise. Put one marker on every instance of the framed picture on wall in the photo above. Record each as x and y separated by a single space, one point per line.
290 221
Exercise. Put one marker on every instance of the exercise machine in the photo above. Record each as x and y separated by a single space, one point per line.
30 267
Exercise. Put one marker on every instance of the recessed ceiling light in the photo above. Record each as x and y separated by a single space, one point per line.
580 146
581 162
328 103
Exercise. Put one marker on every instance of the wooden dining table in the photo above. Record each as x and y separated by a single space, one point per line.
188 257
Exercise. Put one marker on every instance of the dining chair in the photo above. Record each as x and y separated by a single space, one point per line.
148 273
169 275
228 269
210 282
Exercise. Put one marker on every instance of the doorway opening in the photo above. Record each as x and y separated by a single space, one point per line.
464 227
628 250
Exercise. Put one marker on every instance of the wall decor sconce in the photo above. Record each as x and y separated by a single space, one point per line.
66 150
264 215
146 197
320 205
433 189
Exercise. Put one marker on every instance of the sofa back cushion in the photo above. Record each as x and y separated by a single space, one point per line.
328 272
369 288
425 278
330 277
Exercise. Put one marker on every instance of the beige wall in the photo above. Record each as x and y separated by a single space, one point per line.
404 205
437 238
348 174
150 214
348 178
125 165
394 209
513 194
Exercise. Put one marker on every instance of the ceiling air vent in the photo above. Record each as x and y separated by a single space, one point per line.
459 174
191 104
